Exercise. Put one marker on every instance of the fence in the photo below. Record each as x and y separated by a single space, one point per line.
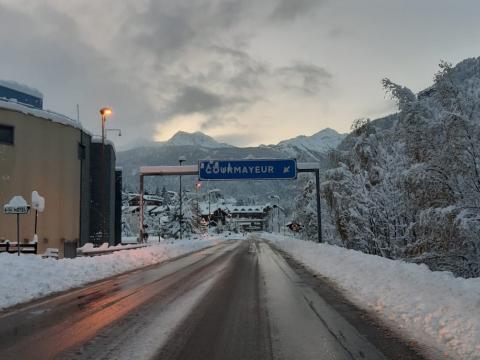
12 248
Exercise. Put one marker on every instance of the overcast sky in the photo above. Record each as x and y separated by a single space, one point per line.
243 71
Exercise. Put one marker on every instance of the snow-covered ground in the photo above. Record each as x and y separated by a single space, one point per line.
433 308
27 277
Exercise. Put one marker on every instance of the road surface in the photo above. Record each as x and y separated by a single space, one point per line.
237 300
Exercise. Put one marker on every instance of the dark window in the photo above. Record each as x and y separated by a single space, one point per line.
6 134
81 151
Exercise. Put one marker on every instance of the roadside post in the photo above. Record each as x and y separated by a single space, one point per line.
38 203
17 206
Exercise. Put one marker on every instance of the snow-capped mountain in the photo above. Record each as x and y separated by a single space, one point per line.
197 146
198 138
312 147
181 138
322 141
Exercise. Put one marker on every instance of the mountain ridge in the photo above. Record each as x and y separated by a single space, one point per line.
198 146
330 137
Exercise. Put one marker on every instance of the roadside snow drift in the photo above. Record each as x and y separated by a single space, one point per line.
434 308
27 277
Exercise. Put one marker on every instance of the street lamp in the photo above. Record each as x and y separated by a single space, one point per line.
181 159
209 211
104 113
276 197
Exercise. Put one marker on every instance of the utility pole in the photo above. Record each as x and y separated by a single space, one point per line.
319 208
142 215
181 159
316 171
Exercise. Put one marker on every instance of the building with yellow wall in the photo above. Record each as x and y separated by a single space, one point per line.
48 153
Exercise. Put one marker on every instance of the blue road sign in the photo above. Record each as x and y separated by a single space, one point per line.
255 169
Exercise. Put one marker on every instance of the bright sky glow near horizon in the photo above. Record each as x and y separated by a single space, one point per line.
245 72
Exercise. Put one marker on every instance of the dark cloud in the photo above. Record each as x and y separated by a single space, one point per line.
165 28
336 32
286 10
160 59
194 99
244 72
239 139
219 121
47 52
306 79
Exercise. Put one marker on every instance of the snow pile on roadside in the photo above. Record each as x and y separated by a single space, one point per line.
26 277
434 308
89 249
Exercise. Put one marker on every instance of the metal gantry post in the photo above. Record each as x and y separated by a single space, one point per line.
314 169
18 234
278 214
140 203
319 206
209 212
180 217
181 159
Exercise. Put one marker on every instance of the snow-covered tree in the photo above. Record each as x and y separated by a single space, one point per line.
413 190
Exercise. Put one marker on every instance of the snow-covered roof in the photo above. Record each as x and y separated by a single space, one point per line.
151 197
239 220
232 209
98 140
22 88
159 209
44 114
245 209
17 201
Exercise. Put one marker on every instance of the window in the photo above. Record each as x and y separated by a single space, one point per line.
81 152
6 134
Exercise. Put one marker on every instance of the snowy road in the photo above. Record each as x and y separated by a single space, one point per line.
237 300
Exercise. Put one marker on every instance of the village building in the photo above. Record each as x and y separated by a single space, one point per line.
54 155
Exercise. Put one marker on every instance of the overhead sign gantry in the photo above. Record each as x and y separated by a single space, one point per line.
251 169
235 170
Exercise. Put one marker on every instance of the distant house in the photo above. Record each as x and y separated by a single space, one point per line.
248 218
134 200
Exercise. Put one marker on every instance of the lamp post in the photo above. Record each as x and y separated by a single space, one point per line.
38 203
181 159
276 197
104 113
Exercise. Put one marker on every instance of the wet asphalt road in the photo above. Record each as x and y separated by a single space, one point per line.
237 300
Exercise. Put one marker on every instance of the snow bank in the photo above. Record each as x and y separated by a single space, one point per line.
434 308
26 277
89 250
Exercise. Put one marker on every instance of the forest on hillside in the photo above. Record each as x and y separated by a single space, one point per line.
409 188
